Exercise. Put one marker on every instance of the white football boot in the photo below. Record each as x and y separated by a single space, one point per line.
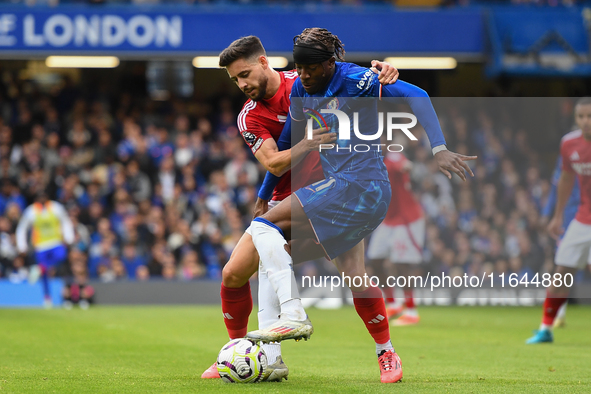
283 330
276 372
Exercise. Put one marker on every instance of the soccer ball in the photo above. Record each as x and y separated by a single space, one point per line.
241 361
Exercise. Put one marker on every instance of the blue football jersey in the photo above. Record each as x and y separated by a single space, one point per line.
348 81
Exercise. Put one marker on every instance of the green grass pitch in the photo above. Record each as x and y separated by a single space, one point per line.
165 349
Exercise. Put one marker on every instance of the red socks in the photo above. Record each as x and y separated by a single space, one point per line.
370 306
389 295
409 301
551 306
236 307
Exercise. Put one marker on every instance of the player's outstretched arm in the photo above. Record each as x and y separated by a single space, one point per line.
387 73
454 162
565 188
274 161
422 107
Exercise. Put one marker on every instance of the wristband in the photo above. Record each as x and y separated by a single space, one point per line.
438 149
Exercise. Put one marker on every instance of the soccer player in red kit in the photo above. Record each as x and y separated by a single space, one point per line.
260 122
575 247
399 239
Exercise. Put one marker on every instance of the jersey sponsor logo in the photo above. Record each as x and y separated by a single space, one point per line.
282 118
364 82
257 145
574 156
250 138
582 168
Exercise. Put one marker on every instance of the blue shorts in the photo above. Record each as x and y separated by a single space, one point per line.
343 212
52 257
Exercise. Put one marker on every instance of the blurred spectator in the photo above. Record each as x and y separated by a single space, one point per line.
139 183
77 290
8 250
132 260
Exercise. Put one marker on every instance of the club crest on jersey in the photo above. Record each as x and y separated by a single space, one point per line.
333 104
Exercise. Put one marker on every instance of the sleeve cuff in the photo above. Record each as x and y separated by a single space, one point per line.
438 149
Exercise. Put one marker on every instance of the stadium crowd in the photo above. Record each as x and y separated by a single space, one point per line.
166 189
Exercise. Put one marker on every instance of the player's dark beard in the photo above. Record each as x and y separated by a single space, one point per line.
262 89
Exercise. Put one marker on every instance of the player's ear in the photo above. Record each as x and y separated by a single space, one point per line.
264 62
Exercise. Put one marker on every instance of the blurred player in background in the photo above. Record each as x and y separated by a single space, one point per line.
569 214
260 122
51 231
574 249
396 246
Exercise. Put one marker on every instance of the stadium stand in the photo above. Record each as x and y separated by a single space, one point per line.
165 189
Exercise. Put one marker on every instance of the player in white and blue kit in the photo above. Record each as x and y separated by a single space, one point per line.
51 232
353 199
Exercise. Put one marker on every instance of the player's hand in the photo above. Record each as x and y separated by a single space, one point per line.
454 162
320 136
260 208
387 73
555 227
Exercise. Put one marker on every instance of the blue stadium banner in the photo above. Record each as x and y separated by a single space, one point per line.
91 31
185 31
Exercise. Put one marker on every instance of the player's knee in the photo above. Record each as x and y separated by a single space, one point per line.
232 277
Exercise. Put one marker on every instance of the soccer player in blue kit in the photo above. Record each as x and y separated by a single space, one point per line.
356 188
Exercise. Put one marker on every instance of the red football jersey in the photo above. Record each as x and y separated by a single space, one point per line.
404 208
260 120
576 157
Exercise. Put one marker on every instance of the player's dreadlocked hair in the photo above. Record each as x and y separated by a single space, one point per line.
323 38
